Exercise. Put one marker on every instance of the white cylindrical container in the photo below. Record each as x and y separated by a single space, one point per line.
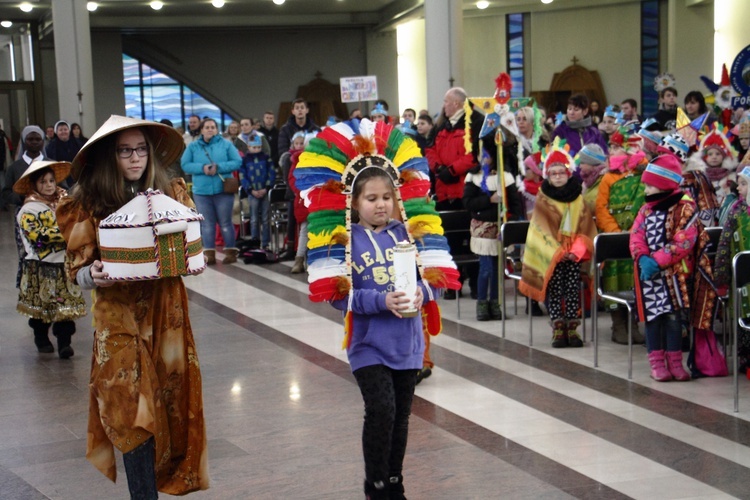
405 274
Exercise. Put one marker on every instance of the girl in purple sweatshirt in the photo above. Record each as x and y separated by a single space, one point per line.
386 348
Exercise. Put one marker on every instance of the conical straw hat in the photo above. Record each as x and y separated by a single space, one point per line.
60 168
167 142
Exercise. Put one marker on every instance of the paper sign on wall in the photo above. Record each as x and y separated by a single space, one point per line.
359 88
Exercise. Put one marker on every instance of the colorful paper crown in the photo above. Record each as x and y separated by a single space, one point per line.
742 129
557 153
325 175
717 139
255 140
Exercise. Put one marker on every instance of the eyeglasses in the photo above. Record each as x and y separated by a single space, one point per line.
561 173
126 153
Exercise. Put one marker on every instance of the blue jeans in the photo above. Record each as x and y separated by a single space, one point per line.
664 333
487 278
259 219
216 209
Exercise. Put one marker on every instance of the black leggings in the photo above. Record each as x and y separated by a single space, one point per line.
388 396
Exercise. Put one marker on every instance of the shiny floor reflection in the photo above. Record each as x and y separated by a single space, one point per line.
497 419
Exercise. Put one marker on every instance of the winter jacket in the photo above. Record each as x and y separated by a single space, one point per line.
257 172
219 151
672 235
577 138
478 203
449 150
378 336
289 129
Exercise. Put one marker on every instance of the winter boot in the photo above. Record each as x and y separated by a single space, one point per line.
41 336
376 491
299 265
422 374
483 310
496 312
210 256
139 469
396 487
230 255
659 370
559 335
574 340
620 326
674 364
63 330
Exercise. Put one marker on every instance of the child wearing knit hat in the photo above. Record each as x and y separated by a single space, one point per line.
592 163
619 197
560 239
735 237
662 242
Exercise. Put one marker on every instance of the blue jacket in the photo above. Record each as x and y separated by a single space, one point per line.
221 151
257 172
378 336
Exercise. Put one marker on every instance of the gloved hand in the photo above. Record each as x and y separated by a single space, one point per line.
648 267
445 175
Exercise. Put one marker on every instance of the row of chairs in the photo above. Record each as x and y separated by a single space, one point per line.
278 215
616 246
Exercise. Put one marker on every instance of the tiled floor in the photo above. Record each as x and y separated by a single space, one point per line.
496 420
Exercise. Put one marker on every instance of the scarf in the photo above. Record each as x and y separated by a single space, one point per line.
531 186
589 178
51 201
715 174
579 124
661 202
564 194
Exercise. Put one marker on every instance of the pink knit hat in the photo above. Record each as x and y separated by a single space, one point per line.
532 162
664 173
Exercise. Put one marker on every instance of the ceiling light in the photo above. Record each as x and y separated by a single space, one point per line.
279 2
26 7
483 4
92 6
6 24
217 3
156 5
546 1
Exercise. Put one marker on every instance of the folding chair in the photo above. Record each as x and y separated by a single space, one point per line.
457 230
740 279
278 215
714 233
511 234
611 246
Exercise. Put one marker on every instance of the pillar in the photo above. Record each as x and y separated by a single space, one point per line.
75 79
444 49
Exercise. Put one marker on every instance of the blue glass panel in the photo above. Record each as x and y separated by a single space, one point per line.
130 73
197 104
516 76
162 101
152 76
133 102
650 55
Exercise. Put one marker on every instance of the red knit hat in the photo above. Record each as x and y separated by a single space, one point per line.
557 154
664 173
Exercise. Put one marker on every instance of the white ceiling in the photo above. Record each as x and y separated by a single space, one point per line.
134 15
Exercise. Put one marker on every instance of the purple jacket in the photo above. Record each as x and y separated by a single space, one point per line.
379 337
577 138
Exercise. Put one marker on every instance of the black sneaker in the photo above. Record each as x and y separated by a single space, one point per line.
449 295
423 374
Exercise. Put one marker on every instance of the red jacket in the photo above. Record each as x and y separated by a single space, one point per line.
449 150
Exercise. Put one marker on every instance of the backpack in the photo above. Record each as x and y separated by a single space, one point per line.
706 358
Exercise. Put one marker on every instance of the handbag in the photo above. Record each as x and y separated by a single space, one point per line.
707 358
230 183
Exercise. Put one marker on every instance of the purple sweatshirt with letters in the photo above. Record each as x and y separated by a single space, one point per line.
378 336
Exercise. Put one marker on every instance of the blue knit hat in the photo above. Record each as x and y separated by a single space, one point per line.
255 140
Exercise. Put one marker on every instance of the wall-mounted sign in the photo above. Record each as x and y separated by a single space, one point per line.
359 88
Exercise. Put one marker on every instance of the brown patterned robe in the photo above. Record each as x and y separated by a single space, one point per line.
145 376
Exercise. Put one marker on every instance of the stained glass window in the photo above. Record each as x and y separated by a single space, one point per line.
153 95
514 35
649 56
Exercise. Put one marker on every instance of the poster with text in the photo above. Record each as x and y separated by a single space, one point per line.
359 88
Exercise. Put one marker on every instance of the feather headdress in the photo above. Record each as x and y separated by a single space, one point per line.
325 175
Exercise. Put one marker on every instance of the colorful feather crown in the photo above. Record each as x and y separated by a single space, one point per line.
327 170
717 138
